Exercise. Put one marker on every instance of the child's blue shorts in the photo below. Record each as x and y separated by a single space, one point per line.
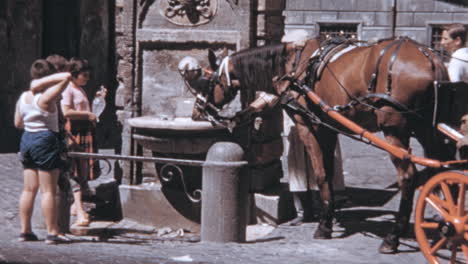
41 150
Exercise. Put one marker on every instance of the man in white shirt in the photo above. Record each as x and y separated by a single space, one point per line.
453 40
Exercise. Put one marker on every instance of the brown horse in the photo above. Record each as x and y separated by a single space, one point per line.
386 86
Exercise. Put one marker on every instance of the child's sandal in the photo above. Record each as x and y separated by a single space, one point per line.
27 237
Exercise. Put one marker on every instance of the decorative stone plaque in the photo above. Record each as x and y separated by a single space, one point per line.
188 12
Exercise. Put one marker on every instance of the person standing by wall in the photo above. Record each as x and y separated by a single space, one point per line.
81 124
454 41
295 158
40 148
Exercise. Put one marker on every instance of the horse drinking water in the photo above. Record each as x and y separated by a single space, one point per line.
386 86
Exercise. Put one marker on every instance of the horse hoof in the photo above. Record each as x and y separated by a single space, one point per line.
388 247
322 233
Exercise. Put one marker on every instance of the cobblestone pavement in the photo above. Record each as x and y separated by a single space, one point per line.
357 235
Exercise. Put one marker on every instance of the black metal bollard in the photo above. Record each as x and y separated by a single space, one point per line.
224 195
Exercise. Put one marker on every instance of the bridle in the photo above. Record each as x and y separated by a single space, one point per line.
203 98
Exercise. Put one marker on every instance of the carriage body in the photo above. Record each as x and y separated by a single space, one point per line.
441 213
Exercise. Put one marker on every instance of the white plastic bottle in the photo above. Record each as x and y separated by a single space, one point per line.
99 103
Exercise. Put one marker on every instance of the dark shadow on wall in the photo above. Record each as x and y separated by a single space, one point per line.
74 28
20 34
456 2
61 28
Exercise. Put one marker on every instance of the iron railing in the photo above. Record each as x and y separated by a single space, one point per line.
168 171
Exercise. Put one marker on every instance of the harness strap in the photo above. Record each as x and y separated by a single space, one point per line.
385 99
224 67
388 89
325 58
373 82
426 51
321 57
428 55
296 60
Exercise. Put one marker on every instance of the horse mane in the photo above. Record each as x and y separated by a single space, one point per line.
256 68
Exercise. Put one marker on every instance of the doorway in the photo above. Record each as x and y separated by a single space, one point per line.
61 28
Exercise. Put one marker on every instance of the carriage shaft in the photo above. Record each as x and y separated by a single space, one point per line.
394 150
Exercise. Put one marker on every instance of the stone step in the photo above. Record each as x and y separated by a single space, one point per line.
148 204
95 228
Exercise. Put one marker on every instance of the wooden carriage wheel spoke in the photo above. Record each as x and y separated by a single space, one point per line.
464 247
465 234
440 210
453 257
429 225
438 245
447 193
461 200
450 207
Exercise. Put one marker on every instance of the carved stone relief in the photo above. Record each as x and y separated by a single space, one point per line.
188 12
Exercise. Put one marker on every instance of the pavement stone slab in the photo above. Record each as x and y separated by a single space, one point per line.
357 232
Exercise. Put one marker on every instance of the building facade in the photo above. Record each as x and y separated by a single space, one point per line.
421 20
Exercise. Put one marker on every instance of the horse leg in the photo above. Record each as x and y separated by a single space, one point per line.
321 157
406 181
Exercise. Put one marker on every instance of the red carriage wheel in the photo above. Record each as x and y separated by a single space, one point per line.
441 218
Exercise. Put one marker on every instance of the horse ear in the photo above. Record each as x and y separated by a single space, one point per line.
212 60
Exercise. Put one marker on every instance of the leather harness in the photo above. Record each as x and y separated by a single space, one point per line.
329 48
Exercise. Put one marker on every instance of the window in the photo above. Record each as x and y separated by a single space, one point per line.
436 37
331 30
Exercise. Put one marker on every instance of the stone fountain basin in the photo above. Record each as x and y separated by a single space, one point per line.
177 135
178 138
177 123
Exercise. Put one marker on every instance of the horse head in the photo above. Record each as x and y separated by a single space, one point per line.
212 86
256 72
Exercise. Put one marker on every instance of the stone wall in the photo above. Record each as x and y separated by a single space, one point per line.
270 21
374 17
23 41
149 46
20 45
98 47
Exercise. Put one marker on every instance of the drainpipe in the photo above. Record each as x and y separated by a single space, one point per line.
394 16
